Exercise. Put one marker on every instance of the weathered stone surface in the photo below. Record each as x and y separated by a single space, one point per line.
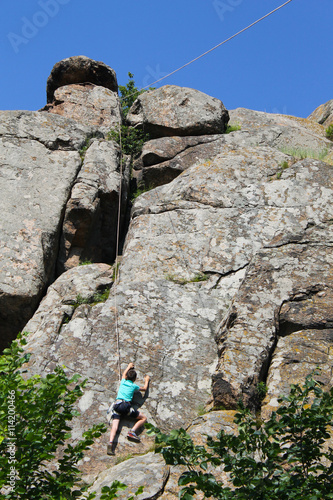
148 470
87 104
90 223
210 425
290 133
165 148
172 110
54 132
248 334
323 114
35 185
164 172
63 297
295 136
214 218
306 311
295 357
80 69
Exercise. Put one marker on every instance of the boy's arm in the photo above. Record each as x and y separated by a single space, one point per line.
130 365
145 387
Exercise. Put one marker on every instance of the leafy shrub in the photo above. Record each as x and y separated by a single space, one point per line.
329 132
128 94
286 457
232 128
35 416
131 139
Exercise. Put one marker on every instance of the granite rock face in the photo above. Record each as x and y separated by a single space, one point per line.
165 158
323 114
36 179
225 278
54 210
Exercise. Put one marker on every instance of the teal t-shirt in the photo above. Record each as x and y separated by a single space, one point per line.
127 389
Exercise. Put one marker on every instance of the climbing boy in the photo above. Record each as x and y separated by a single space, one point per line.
122 406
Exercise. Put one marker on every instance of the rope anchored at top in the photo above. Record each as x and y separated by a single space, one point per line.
214 48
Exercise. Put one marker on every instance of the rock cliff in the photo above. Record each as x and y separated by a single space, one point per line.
225 278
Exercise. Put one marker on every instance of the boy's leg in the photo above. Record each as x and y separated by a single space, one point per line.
114 428
141 419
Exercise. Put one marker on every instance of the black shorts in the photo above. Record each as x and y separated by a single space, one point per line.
124 409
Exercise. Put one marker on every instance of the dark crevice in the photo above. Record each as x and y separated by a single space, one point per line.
287 328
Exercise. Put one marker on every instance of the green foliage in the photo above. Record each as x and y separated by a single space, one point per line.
183 281
110 492
232 128
329 132
128 94
140 190
305 153
95 299
35 416
286 457
262 390
130 139
85 262
201 410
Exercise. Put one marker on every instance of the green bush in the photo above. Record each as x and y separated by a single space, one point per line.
232 128
284 458
128 94
35 416
131 139
329 132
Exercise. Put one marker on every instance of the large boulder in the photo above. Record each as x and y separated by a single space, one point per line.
148 470
172 110
54 208
80 69
323 114
88 104
295 357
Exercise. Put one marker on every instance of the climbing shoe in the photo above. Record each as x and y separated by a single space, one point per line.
109 449
133 437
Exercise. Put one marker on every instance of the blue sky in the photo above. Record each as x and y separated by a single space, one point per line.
282 65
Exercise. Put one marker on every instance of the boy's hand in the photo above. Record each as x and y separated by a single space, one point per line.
130 365
147 378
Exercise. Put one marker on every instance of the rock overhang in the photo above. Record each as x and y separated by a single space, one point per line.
80 69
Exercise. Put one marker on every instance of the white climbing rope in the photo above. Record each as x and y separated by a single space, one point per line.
116 266
116 270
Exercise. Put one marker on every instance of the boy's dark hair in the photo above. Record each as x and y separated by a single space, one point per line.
131 375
